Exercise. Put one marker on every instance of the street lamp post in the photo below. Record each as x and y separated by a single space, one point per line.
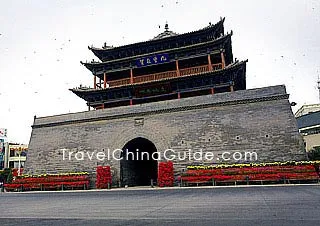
19 160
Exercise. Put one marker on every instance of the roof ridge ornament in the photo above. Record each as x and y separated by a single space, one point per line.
166 26
105 46
167 33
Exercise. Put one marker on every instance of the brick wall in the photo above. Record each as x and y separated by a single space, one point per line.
256 120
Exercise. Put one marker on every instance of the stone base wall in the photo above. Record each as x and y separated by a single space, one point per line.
256 120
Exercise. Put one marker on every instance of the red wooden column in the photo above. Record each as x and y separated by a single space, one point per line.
212 91
131 102
209 63
177 68
179 95
94 82
223 60
131 76
104 80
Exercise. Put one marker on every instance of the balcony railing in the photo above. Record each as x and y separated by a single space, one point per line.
163 75
119 82
156 76
216 67
194 70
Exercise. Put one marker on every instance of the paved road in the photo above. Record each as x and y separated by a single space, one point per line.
272 205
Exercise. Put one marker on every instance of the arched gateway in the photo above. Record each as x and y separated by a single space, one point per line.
137 167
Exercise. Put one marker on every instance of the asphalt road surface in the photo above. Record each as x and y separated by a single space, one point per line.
271 205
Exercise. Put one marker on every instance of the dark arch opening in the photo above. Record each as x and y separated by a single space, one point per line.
137 167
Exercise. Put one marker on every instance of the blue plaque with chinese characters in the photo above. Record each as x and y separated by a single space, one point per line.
152 60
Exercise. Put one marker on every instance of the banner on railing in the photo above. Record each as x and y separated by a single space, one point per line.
152 60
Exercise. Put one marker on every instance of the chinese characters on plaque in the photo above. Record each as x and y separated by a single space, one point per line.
151 60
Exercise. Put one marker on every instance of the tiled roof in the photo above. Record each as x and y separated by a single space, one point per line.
162 35
221 38
165 34
308 120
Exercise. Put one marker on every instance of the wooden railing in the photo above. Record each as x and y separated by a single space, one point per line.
156 76
119 82
194 70
216 66
167 74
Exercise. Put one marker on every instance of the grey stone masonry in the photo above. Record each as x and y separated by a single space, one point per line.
240 122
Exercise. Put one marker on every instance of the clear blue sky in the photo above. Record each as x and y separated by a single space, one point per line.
42 43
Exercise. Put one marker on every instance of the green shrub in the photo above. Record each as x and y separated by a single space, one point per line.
314 154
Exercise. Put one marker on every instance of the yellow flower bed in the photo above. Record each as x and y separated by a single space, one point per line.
240 165
57 174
